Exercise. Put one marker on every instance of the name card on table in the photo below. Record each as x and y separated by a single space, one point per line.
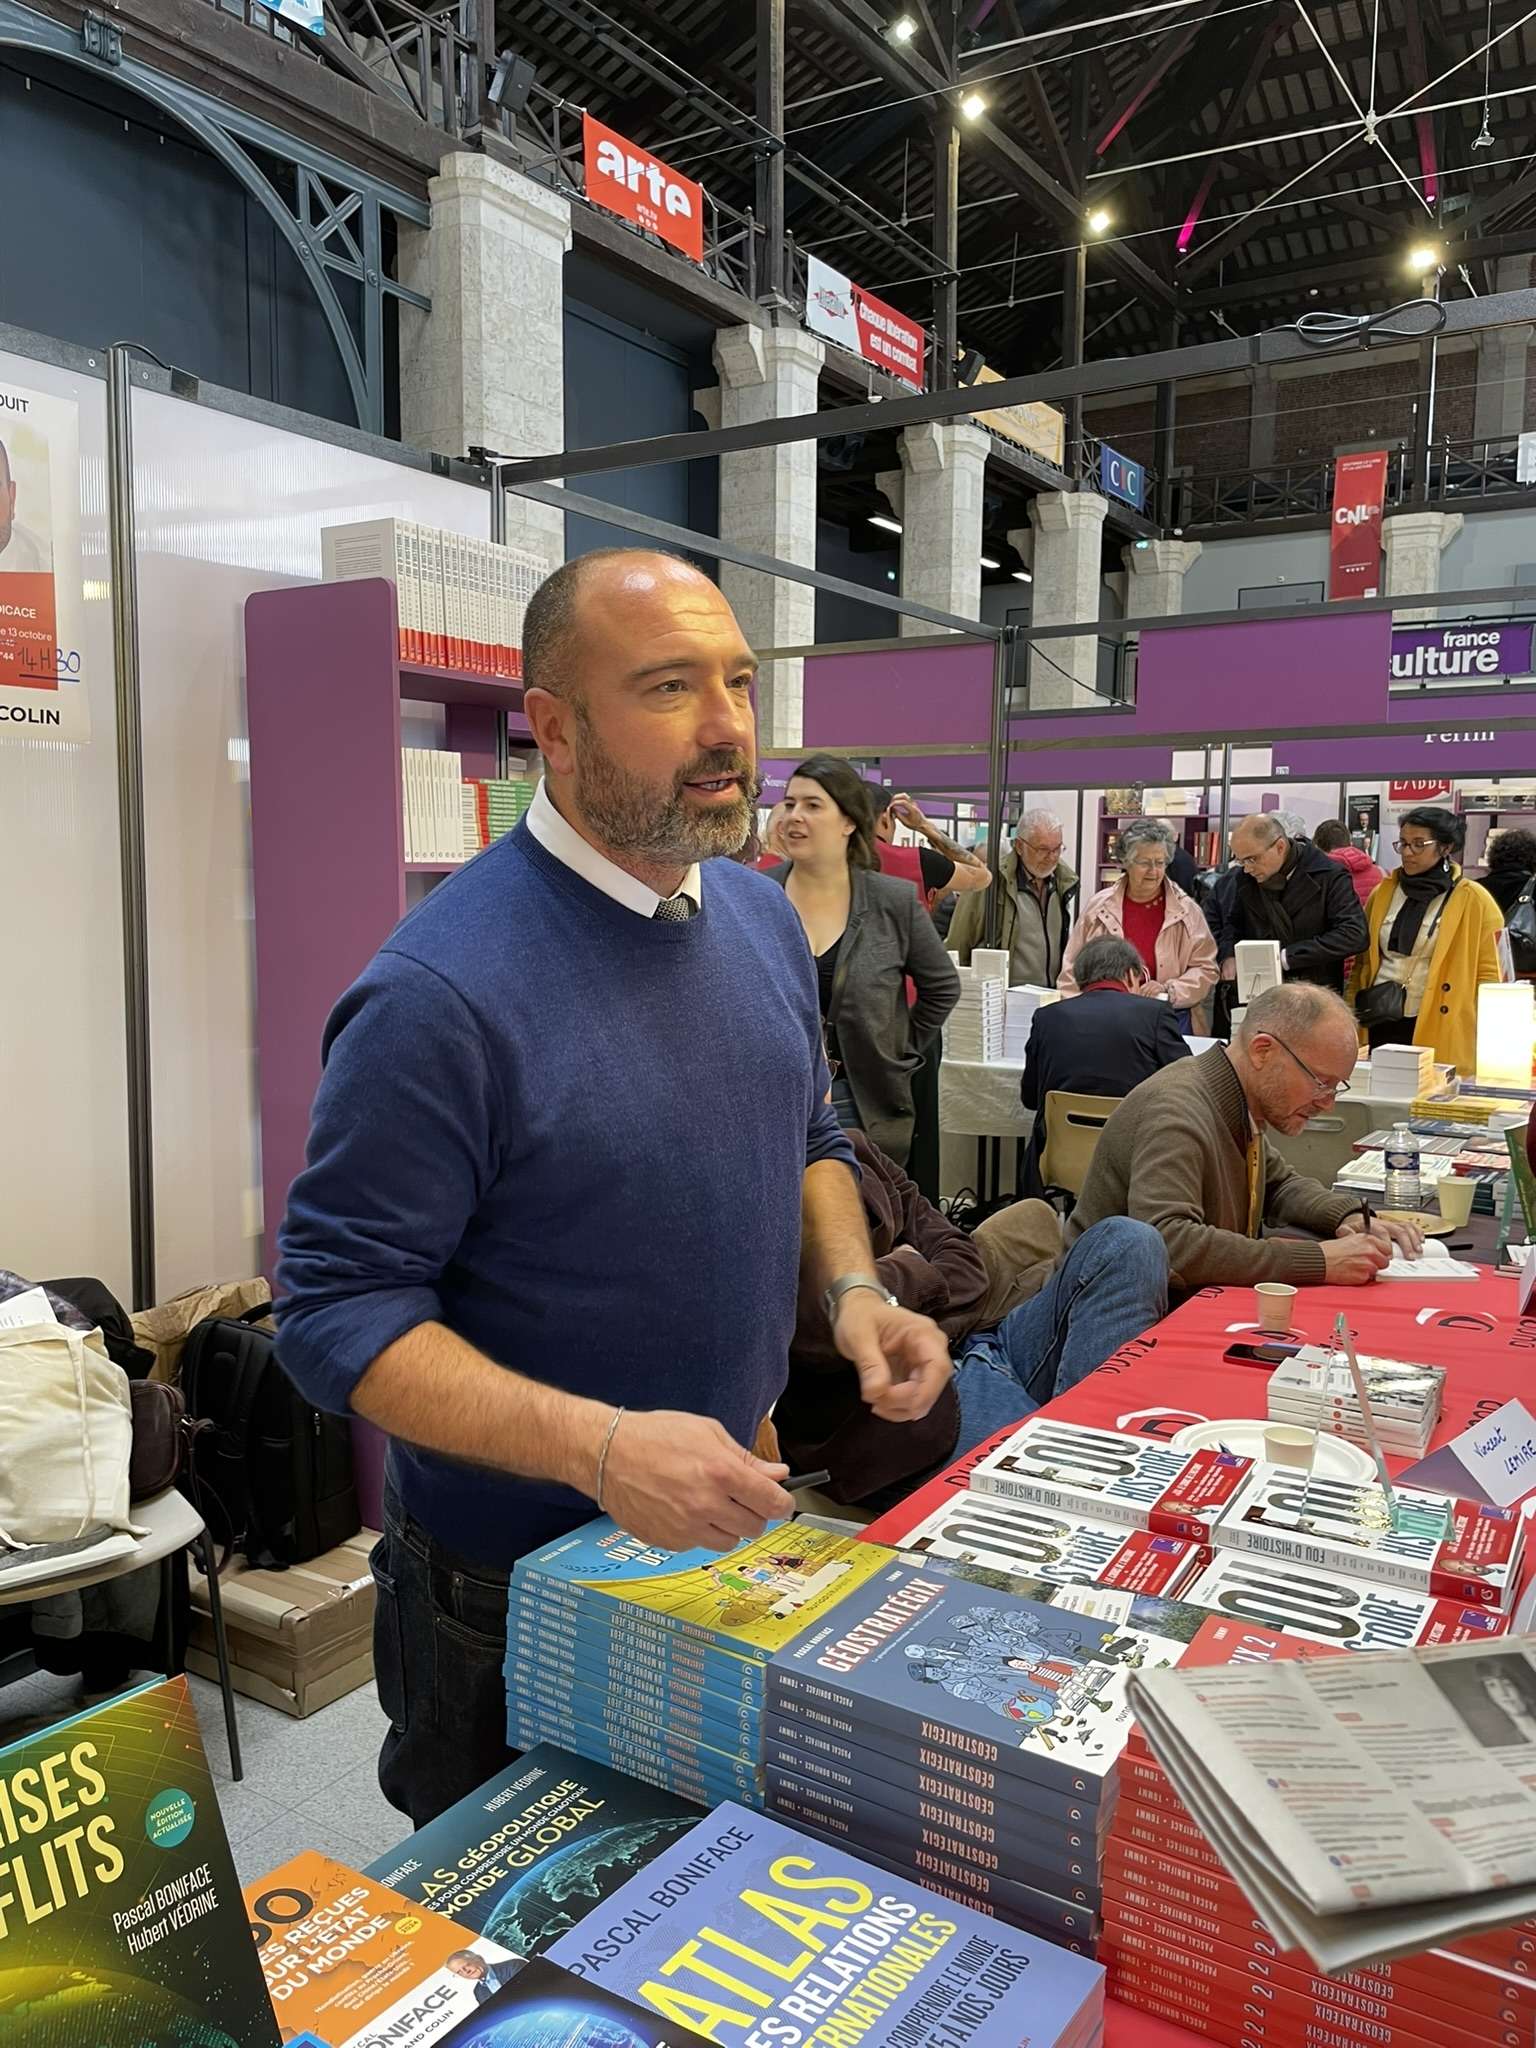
1493 1461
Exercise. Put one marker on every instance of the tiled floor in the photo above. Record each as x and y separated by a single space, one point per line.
308 1784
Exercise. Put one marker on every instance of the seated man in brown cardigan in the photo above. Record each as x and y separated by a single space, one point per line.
1186 1152
1022 1321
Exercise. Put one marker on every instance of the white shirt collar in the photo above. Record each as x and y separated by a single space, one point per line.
561 839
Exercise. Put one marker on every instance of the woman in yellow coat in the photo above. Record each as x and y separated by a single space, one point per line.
1431 945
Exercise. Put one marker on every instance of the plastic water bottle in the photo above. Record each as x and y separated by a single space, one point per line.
1402 1159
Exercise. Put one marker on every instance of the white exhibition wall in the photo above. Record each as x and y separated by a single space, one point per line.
64 1148
224 506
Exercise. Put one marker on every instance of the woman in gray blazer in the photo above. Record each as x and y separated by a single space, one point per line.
869 935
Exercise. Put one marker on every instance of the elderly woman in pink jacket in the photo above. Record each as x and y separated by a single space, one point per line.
1166 926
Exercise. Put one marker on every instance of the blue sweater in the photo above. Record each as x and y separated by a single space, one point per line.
576 1137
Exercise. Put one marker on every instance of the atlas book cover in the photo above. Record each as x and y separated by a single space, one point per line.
121 1921
746 1929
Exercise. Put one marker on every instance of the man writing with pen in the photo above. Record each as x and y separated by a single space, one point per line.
570 1156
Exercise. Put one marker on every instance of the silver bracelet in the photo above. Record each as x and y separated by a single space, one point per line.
602 1457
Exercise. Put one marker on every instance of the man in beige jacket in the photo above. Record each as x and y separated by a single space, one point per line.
1187 1153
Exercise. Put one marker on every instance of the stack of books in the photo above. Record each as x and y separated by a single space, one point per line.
1181 1941
1315 1390
974 1029
966 1733
750 1932
1129 1480
491 807
1019 1007
434 828
652 1661
1403 1071
461 601
1366 1174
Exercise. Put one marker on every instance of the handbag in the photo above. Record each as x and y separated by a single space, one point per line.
1384 1002
1521 926
66 1435
162 1431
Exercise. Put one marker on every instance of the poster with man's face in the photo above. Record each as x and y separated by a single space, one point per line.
42 692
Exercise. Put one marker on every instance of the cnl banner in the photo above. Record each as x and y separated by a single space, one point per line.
1354 534
643 190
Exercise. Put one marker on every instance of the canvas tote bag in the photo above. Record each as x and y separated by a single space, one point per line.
66 1435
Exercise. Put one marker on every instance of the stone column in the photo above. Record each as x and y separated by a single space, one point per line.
1068 570
486 367
1499 404
1154 577
1415 541
938 495
768 504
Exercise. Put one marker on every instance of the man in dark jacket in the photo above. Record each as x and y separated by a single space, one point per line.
1290 892
1102 1041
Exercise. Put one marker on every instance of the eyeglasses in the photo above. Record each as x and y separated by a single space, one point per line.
1415 845
1148 867
1322 1087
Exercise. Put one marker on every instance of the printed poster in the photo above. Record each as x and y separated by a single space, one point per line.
1354 536
854 318
43 691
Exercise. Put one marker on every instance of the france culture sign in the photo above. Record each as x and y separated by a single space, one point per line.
643 190
42 686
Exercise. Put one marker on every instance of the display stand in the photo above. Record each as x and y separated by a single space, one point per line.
324 686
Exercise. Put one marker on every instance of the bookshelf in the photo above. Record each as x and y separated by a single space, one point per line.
324 687
1196 832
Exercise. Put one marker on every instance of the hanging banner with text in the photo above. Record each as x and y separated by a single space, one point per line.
641 189
1354 535
1034 425
863 324
42 690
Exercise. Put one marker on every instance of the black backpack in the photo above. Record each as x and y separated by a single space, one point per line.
272 1476
1521 926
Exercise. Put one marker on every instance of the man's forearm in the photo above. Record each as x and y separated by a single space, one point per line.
432 1389
834 1235
951 850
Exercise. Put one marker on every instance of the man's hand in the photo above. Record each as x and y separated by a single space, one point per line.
680 1482
906 812
1354 1259
1229 970
901 1359
1406 1237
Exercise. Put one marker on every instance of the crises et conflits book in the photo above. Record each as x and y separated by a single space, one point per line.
746 1930
120 1915
1115 1478
1039 1542
1452 1549
361 1966
535 1849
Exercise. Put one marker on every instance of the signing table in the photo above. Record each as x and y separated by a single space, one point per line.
1175 1375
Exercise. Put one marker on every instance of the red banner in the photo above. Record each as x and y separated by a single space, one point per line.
1354 537
641 189
846 313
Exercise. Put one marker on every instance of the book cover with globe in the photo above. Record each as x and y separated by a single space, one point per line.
536 1848
546 2007
121 1921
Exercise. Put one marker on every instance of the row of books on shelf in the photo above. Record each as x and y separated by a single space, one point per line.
461 601
449 817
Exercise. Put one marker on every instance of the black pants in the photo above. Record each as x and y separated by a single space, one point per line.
439 1644
1396 1031
923 1159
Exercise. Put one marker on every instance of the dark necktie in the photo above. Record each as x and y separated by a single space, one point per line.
673 910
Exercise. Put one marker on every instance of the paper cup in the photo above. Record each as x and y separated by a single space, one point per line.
1456 1193
1284 1445
1275 1303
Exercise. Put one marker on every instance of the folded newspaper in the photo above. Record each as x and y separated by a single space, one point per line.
1369 1807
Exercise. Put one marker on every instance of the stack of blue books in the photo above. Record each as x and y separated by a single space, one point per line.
652 1660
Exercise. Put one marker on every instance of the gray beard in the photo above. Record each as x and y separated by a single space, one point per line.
630 817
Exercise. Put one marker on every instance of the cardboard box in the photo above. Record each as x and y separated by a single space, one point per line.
298 1639
1258 967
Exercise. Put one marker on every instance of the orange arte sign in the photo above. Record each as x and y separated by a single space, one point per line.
640 188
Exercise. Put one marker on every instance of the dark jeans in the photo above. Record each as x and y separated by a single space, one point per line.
439 1643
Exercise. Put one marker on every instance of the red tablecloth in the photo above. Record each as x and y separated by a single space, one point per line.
1175 1375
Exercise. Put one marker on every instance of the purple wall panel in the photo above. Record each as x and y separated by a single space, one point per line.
901 698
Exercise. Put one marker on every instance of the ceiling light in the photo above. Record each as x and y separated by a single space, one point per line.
1099 221
988 563
1022 576
1424 256
886 525
974 105
902 29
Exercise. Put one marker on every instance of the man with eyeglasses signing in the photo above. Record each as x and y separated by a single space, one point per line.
1187 1152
